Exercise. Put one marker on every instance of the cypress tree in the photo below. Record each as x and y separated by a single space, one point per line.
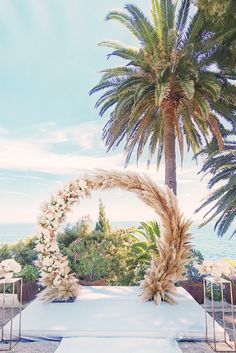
102 224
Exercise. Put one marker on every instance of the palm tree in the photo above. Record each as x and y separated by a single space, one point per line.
145 243
167 89
222 168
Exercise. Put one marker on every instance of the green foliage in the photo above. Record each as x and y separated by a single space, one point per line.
145 244
100 256
215 8
29 273
71 233
197 256
219 17
22 251
173 64
216 291
221 166
192 272
85 259
67 237
92 266
138 273
5 252
103 224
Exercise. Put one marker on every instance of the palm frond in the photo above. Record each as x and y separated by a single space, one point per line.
144 27
222 167
125 20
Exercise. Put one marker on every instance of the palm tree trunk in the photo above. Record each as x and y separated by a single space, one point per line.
169 112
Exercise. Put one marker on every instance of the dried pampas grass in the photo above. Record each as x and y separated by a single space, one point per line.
174 244
67 289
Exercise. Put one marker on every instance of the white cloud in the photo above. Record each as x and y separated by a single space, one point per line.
36 155
30 177
13 193
86 135
29 156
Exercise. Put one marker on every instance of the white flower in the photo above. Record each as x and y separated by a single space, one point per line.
10 265
53 225
52 247
63 267
50 216
42 220
40 247
44 232
60 201
47 261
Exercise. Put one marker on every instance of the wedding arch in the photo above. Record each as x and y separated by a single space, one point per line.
173 245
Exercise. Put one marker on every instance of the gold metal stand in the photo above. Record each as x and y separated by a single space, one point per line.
219 345
7 344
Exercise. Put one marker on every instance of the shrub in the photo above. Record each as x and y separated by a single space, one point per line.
71 233
5 252
29 273
22 251
67 237
101 256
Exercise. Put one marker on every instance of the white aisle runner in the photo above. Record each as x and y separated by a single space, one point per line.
117 345
113 312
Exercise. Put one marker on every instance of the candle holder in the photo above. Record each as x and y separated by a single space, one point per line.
224 345
6 343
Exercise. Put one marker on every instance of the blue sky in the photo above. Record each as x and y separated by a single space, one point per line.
49 129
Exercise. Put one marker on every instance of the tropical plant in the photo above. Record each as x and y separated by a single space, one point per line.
145 245
222 168
168 88
192 272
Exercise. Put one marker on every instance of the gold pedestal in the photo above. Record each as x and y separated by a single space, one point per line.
6 343
222 345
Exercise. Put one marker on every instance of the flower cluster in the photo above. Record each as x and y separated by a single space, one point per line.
217 268
9 265
55 272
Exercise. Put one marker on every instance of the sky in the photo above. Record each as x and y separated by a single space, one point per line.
50 131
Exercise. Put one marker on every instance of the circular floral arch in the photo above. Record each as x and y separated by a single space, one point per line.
173 245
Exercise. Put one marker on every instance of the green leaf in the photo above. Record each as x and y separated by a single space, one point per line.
188 87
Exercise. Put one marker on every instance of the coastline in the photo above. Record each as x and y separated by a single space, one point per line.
204 239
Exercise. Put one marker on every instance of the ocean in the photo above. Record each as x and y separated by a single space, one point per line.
203 239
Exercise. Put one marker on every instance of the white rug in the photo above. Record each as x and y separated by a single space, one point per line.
117 345
114 312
